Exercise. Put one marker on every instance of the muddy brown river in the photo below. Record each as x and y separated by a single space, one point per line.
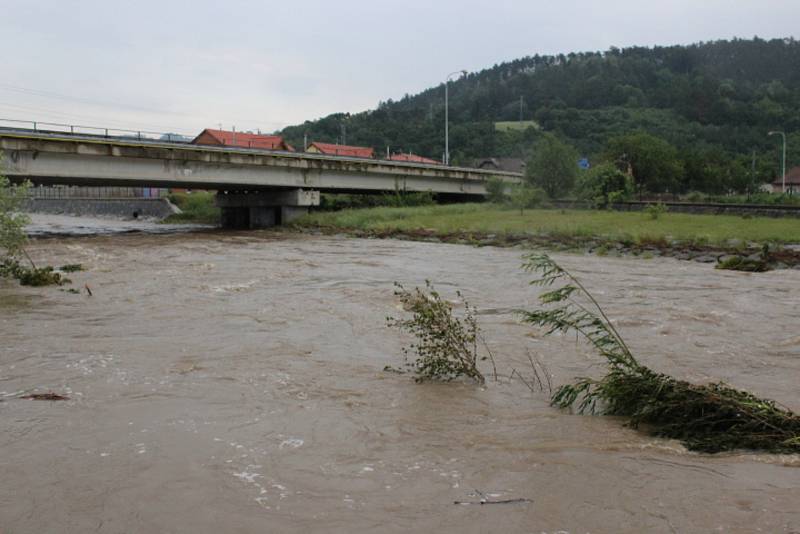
234 382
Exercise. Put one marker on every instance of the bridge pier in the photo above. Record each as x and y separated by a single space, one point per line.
262 209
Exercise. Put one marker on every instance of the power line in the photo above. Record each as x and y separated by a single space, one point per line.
101 103
88 118
116 105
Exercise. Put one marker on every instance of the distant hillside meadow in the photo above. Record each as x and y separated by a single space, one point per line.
713 101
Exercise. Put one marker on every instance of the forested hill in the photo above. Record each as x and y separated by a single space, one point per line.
721 97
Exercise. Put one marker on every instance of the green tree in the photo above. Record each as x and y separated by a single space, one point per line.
496 190
553 166
604 184
12 220
652 162
524 196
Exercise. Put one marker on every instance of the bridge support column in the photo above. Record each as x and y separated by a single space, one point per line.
262 209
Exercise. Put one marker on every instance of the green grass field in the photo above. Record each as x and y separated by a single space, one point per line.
611 225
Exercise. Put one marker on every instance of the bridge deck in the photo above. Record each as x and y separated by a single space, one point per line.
80 159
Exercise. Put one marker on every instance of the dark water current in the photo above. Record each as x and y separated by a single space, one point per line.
234 383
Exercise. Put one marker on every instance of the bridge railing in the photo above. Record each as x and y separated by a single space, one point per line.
62 192
55 127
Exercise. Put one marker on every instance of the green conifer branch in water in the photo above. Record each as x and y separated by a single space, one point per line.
708 418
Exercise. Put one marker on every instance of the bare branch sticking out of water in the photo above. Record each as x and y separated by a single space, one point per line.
538 369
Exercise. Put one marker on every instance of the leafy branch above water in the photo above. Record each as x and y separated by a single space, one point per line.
709 418
447 346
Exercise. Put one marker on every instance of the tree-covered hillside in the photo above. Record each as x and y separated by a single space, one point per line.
712 101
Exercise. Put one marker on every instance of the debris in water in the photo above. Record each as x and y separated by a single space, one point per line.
45 396
71 267
485 500
88 289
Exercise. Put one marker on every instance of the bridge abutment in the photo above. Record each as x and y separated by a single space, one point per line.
263 209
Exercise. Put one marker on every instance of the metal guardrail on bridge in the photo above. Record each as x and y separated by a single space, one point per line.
99 131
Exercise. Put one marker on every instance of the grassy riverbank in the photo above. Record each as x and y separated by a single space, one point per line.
196 207
636 227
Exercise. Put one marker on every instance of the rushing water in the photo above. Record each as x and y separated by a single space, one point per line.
234 382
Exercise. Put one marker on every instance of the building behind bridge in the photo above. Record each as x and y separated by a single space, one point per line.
330 149
213 137
501 164
413 158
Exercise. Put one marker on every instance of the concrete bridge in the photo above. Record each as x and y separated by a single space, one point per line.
256 188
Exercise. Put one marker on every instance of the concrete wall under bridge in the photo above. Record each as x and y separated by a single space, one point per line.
262 209
126 208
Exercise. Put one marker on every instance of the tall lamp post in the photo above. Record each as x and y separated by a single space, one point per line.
783 159
446 116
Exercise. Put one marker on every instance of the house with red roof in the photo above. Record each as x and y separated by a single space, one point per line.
792 182
330 149
413 158
241 139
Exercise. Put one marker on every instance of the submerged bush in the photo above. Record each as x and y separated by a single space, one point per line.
708 418
759 264
739 263
32 276
446 347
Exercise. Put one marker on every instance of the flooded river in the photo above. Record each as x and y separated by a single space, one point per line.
234 382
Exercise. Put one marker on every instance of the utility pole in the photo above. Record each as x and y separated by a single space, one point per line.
520 109
344 134
447 117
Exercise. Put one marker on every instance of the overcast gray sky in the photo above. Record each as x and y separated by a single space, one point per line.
184 65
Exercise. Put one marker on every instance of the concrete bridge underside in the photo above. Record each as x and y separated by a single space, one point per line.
256 188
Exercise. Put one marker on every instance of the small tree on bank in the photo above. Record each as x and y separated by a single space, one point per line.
604 184
12 220
653 162
13 239
523 197
553 166
496 190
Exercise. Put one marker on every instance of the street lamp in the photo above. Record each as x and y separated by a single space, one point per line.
783 159
446 117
